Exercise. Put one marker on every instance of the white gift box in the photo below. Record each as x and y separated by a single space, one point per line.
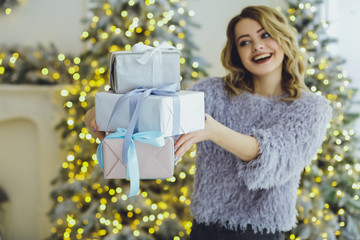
144 66
156 112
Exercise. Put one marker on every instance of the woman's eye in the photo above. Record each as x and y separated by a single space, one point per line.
265 35
244 43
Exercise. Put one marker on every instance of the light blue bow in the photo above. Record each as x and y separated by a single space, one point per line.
154 138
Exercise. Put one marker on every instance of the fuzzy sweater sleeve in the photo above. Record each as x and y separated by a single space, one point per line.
288 146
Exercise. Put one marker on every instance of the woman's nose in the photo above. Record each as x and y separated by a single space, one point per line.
258 45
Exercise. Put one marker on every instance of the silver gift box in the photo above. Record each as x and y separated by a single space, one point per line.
144 66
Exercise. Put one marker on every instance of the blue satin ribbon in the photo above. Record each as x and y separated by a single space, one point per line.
154 138
136 98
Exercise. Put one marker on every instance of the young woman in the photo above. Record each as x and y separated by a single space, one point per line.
262 128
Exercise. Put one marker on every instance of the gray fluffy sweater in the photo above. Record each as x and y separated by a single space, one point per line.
261 192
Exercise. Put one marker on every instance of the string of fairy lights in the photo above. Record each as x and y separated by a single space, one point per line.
78 97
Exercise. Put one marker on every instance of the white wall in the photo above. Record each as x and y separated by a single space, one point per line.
30 157
44 21
18 177
344 16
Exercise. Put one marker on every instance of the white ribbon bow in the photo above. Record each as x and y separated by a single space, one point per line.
150 51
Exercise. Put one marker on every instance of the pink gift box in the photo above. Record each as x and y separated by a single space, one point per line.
154 162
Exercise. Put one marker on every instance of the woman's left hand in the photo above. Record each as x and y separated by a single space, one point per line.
186 141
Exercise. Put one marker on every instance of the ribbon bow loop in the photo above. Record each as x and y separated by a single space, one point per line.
154 138
150 51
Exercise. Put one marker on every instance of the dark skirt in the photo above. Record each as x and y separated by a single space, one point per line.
201 231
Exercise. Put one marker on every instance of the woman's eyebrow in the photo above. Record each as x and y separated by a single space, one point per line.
247 35
260 30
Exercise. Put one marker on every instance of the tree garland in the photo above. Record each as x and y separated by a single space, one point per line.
41 65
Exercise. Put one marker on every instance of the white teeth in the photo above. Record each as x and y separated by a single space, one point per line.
262 56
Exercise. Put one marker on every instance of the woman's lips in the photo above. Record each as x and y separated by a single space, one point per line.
262 58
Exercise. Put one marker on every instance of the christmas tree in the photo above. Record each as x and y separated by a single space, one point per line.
87 206
328 198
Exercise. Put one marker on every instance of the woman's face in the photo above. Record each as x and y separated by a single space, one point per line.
260 54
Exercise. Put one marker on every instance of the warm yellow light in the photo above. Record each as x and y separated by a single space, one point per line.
12 60
292 18
104 36
85 34
172 28
192 170
70 157
87 199
341 211
76 76
69 104
77 60
124 13
61 57
136 233
181 35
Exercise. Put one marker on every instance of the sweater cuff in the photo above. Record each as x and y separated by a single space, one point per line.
260 173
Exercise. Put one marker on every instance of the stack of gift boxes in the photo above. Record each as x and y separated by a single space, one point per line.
143 112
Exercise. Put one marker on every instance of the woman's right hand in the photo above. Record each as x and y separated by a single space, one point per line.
90 122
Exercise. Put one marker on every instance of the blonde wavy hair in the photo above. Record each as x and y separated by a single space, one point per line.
239 79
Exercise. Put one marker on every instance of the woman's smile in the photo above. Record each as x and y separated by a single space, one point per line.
262 58
259 53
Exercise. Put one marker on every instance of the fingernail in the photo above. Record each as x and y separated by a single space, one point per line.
176 160
93 129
